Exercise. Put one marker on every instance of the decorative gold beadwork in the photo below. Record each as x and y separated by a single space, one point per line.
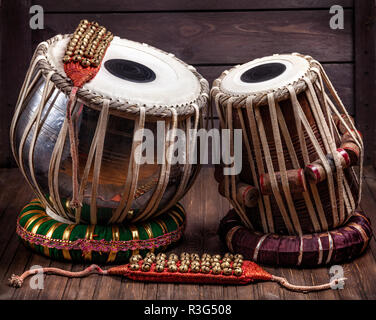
49 234
29 212
66 236
149 232
38 224
89 236
172 216
32 219
88 44
135 236
115 237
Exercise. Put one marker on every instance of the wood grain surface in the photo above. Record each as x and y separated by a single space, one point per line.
192 5
222 37
205 207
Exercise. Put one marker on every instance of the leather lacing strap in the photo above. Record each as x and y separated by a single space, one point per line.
323 159
347 194
102 123
303 146
332 150
19 107
259 161
252 165
48 87
331 248
320 257
73 140
190 145
311 95
53 170
295 162
164 175
133 169
353 133
21 98
34 121
351 130
258 246
282 164
269 165
230 181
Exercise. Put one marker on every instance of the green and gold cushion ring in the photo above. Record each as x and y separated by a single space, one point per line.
97 243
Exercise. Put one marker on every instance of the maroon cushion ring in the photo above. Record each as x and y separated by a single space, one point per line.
335 246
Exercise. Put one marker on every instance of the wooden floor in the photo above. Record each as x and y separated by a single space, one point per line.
205 207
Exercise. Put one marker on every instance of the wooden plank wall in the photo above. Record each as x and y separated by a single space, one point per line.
213 35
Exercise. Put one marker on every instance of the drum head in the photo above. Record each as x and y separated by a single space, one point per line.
136 73
261 75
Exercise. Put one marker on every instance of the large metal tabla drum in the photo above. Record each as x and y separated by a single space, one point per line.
137 89
298 188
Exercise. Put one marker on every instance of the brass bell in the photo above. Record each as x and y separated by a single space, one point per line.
161 255
171 262
225 265
216 270
134 266
134 259
159 268
184 255
238 256
186 262
195 269
66 59
238 272
205 269
227 271
173 268
161 262
226 259
183 268
151 256
229 255
212 260
77 58
146 267
173 257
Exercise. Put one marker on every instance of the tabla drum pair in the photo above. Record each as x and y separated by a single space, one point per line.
77 146
295 199
126 206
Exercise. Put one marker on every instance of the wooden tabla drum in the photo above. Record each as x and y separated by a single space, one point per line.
298 187
137 88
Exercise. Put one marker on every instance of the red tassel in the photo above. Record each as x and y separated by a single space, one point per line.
79 74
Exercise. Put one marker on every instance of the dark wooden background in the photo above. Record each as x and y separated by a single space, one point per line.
212 35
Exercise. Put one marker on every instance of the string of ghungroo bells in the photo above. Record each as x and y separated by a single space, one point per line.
190 268
82 60
88 44
228 265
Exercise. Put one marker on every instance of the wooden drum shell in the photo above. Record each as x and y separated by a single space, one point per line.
246 175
